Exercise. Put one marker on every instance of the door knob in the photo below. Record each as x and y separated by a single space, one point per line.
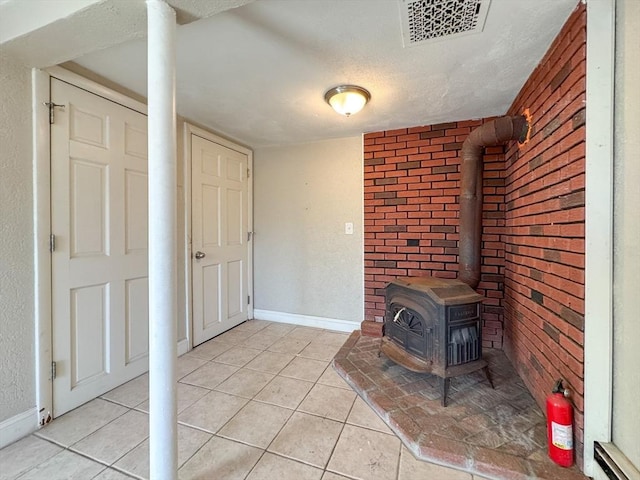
200 255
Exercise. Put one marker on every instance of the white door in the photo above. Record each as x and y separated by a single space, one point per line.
219 212
99 265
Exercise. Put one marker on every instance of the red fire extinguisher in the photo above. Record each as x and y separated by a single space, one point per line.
560 426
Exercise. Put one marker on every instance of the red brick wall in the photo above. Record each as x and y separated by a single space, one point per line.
533 237
411 187
544 242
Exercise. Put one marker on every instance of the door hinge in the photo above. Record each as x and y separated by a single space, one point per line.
248 299
249 235
51 106
248 172
53 370
52 243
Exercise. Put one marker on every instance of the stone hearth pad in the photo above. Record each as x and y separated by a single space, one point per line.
497 433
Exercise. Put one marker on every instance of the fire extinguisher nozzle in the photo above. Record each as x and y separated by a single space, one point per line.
558 387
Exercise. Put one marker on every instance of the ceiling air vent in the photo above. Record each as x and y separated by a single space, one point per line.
432 20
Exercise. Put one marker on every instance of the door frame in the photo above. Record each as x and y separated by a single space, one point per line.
41 93
41 163
601 155
189 130
598 328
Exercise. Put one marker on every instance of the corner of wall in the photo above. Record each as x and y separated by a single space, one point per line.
545 224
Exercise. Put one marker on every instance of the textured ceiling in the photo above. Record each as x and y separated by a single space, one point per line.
258 73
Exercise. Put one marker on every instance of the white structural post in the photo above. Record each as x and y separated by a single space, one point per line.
163 426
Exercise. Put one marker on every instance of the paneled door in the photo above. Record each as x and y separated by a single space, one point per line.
219 209
99 264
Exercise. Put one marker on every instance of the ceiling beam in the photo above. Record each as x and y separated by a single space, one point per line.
42 37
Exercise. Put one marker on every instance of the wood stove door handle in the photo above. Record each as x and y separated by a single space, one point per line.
397 315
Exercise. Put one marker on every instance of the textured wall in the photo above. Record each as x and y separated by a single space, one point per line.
545 182
412 183
303 261
17 326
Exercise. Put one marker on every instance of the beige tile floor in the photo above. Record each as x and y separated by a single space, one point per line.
260 402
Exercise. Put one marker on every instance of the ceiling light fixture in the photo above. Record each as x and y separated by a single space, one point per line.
347 99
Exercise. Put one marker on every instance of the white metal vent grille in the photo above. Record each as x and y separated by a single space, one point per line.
430 20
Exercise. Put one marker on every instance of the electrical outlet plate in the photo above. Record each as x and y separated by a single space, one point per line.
348 228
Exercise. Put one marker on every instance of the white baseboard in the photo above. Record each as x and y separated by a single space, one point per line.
18 426
306 320
183 346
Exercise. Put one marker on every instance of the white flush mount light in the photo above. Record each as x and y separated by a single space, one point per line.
347 99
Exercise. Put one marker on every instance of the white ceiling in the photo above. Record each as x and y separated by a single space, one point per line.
258 73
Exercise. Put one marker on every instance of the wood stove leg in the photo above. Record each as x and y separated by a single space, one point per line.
488 375
444 391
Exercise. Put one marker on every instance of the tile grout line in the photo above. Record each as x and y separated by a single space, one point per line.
216 434
136 408
37 433
337 440
266 449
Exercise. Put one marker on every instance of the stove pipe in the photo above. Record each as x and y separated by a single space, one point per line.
490 134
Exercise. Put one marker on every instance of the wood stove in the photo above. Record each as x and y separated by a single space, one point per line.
432 325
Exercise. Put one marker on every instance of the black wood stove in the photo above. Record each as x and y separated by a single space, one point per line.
432 325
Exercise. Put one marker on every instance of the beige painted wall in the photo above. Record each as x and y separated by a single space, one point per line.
17 326
304 263
626 264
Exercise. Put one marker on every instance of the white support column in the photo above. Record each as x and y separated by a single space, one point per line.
163 244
